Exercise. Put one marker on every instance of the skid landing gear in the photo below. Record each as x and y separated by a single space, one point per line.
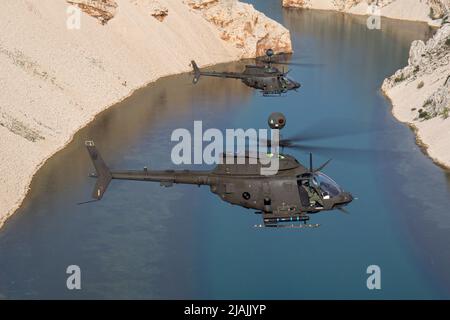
298 221
288 226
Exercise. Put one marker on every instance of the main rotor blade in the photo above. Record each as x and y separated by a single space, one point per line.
331 128
343 210
300 64
285 59
345 153
328 128
296 64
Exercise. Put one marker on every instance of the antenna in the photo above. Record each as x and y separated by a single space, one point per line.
310 163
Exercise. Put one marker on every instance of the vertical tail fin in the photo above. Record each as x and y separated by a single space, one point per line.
103 174
197 72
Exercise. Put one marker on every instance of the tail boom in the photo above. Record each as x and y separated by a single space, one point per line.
165 178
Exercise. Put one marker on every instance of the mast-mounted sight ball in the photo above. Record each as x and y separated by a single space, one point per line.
277 120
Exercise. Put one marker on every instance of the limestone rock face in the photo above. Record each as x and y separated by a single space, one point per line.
431 11
156 9
438 104
296 3
427 59
202 4
420 93
103 10
342 5
240 24
439 8
159 12
339 5
424 58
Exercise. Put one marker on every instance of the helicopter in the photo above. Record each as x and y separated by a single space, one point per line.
285 199
267 78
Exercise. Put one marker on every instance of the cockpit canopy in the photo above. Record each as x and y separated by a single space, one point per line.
322 183
328 187
289 83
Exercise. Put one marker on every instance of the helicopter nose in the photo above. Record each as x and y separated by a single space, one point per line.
346 197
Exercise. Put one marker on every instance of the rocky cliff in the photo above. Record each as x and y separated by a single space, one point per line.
420 93
431 11
246 28
63 62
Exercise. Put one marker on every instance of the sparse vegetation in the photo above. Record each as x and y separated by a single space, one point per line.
445 113
424 115
399 78
426 104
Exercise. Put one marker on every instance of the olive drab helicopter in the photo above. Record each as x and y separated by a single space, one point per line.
265 77
284 199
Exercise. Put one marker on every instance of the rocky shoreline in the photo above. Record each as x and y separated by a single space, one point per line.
420 94
430 11
56 79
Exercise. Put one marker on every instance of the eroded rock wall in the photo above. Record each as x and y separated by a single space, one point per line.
420 93
240 24
431 11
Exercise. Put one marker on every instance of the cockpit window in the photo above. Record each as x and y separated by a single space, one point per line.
327 186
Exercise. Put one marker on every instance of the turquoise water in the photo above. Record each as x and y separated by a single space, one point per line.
144 241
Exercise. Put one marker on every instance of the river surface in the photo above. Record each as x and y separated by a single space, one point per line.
144 241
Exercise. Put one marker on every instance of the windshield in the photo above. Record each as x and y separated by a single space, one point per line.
327 186
287 80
